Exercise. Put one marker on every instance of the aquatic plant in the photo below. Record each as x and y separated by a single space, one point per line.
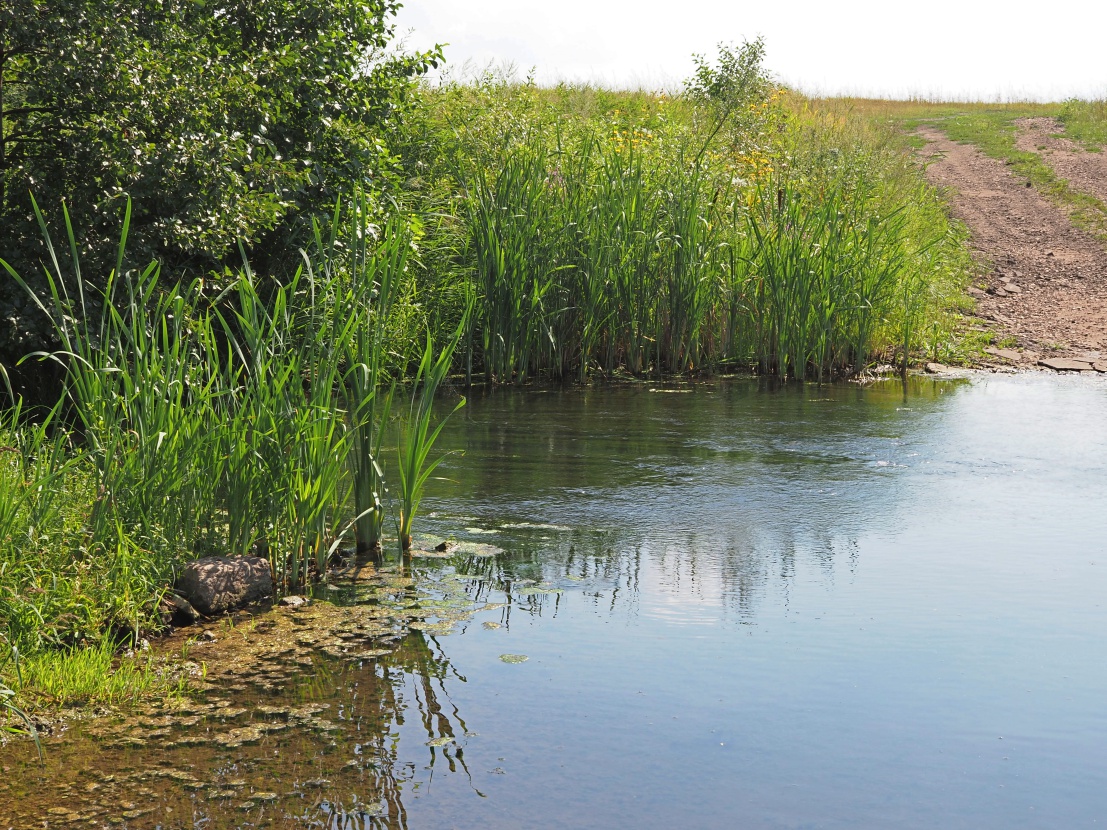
512 227
245 422
822 272
417 439
608 232
374 269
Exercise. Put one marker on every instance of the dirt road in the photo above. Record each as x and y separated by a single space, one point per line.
1047 284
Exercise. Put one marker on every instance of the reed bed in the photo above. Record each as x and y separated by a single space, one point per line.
604 234
256 421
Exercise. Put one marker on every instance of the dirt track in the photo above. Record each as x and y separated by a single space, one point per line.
1047 286
1085 171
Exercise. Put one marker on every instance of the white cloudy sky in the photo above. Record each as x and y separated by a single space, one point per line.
941 48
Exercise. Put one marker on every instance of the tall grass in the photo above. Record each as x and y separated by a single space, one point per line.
600 259
251 421
823 271
417 439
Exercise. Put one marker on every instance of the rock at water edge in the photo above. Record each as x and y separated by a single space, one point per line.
1061 364
217 584
1005 354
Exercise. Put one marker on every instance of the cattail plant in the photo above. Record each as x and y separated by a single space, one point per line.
417 438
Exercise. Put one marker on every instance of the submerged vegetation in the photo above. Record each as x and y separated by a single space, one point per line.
234 386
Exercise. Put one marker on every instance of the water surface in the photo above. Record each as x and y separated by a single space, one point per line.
741 606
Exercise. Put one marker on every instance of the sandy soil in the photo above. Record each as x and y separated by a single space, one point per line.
1047 286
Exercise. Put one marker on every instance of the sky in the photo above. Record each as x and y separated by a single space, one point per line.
949 49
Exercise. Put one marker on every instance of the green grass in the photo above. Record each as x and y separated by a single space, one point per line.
1086 122
94 676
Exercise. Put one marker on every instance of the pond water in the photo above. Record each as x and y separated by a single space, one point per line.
739 606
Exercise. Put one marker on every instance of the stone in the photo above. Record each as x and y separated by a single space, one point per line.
1005 354
293 601
1100 365
181 611
936 368
218 584
1061 364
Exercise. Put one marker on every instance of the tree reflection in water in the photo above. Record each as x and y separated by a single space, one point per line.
378 699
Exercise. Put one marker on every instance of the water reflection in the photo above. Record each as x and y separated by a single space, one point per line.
341 766
754 607
733 467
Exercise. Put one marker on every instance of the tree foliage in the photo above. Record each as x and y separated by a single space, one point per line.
222 120
733 89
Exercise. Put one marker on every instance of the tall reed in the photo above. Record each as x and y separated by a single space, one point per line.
685 235
245 422
823 272
417 439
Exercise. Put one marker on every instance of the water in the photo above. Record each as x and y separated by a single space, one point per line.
800 607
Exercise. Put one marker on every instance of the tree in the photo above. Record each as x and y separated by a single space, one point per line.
731 88
223 120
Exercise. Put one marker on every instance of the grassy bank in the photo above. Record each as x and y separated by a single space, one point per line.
605 233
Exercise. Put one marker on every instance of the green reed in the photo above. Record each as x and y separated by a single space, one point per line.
606 259
826 268
417 438
514 229
608 233
251 421
374 278
291 436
